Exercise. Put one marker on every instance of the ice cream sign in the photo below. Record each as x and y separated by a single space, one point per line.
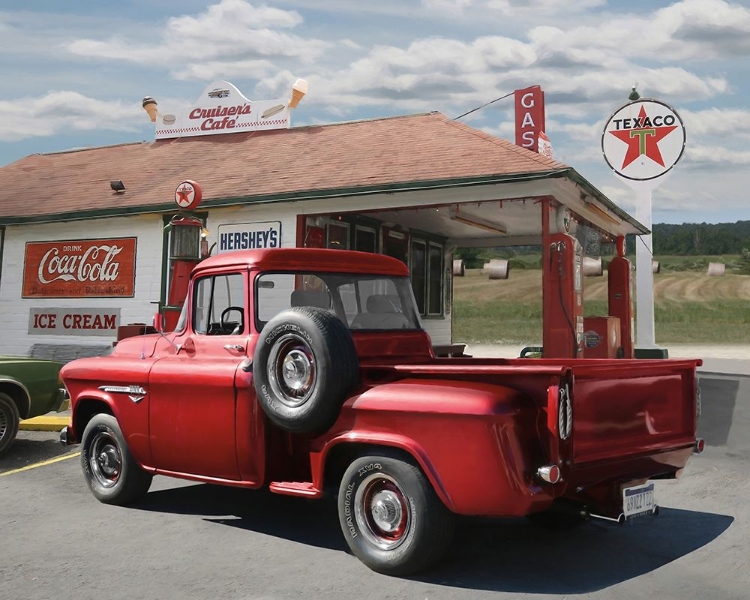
222 108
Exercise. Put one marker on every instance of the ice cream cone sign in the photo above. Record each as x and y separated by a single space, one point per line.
299 89
149 105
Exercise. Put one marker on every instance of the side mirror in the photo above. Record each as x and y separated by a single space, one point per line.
159 322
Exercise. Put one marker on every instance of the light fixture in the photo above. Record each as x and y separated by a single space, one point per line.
117 186
634 95
475 221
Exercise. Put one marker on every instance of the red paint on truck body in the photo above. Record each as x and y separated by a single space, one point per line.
479 428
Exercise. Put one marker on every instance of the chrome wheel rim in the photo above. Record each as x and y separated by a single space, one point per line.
382 511
291 370
105 459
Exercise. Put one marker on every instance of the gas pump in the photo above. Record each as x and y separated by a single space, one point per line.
563 298
620 296
185 250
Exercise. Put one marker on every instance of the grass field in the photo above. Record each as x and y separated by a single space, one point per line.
690 307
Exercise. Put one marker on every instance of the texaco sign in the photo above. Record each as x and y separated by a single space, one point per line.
188 195
643 140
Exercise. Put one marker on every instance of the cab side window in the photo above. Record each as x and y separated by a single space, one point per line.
219 305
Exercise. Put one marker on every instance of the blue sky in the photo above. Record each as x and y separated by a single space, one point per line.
74 72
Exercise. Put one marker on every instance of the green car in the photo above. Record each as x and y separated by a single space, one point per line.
28 388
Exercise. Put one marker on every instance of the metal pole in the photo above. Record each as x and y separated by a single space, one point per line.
644 275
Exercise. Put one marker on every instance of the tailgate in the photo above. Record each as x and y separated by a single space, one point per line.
632 409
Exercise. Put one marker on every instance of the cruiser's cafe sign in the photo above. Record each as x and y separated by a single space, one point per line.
221 108
80 269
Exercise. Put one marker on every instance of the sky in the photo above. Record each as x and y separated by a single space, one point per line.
74 73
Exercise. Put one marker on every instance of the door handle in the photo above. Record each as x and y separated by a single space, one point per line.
235 347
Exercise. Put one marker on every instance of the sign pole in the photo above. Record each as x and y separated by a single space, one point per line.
642 141
645 333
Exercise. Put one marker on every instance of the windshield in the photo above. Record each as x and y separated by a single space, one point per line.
363 302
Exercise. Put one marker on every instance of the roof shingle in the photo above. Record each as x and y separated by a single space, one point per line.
414 148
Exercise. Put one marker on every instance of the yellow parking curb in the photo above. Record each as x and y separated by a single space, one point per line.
45 423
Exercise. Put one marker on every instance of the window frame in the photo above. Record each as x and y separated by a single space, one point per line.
194 295
441 254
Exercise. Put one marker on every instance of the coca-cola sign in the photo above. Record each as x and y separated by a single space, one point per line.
80 269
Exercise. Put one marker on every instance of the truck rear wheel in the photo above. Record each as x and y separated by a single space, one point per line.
304 367
392 519
111 472
9 420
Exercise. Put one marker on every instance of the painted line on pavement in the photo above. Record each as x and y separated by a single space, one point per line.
44 463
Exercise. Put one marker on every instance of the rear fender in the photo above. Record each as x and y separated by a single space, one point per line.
354 445
18 392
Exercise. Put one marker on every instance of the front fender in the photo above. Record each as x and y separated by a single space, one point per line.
476 442
133 423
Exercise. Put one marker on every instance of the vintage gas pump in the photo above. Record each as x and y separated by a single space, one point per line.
620 296
563 292
184 243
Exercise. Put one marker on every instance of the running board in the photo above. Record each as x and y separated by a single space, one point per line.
295 488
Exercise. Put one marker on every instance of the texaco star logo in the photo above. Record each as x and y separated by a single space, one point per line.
643 140
187 195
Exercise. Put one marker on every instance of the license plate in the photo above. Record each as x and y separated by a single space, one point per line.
638 500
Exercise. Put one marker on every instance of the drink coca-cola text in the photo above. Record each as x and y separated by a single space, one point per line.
95 264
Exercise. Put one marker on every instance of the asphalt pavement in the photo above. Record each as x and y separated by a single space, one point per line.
194 541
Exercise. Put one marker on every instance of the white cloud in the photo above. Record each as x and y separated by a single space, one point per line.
63 111
225 38
449 6
717 122
716 156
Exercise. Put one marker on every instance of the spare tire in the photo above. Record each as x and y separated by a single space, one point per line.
304 367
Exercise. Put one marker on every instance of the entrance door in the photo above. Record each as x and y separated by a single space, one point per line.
193 394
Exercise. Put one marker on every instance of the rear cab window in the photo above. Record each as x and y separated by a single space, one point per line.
363 302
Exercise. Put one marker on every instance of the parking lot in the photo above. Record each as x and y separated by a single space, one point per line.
196 541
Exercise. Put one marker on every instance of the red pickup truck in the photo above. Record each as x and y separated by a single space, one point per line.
309 371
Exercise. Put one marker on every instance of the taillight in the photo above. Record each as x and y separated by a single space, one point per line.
550 473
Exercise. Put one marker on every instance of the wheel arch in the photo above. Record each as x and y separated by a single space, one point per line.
18 393
339 454
85 409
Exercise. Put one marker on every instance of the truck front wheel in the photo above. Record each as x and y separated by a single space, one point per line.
110 470
392 519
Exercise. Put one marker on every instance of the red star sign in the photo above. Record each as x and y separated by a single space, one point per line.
643 138
184 196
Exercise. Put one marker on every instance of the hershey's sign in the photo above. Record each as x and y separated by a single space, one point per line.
80 269
249 236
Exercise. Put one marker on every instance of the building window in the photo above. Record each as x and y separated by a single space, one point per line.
365 239
2 247
395 244
338 236
418 273
435 280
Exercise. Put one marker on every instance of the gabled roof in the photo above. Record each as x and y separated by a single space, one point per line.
410 152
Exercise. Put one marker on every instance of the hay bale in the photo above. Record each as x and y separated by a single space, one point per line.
655 266
459 267
592 267
499 269
716 269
